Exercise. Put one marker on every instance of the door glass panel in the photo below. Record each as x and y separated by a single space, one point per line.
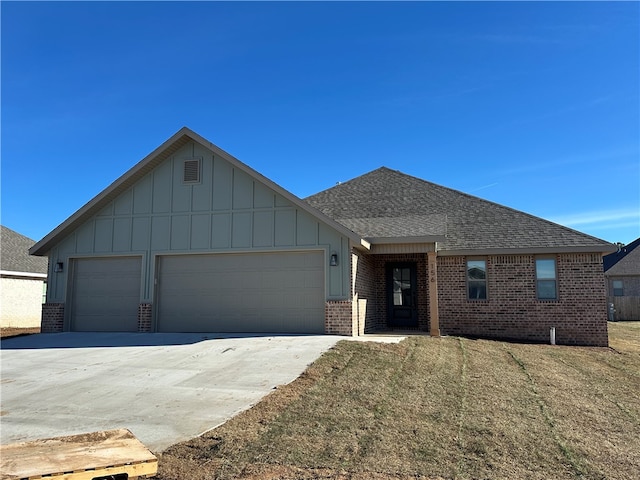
402 287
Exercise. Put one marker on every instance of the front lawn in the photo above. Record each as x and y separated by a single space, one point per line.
438 408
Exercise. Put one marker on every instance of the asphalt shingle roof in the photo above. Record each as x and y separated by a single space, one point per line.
14 253
389 203
626 261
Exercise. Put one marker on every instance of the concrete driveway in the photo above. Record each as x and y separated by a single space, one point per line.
165 388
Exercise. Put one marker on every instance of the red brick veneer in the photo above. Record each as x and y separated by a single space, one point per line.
338 318
380 275
512 310
52 318
145 312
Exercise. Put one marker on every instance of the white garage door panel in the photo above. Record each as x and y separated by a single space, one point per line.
105 294
267 292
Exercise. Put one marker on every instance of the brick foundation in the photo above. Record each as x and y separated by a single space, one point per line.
52 318
338 318
145 313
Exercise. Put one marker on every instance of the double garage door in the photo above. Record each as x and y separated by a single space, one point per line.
280 292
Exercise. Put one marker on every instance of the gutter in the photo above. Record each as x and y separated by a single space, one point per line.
25 275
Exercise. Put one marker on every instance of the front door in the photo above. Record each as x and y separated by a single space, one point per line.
402 304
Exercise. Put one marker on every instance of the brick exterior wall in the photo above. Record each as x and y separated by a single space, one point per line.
338 318
380 272
512 310
369 284
365 302
145 313
52 318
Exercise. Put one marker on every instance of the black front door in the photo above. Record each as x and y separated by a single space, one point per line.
402 295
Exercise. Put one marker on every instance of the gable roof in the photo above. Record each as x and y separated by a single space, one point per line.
15 254
151 161
625 261
385 204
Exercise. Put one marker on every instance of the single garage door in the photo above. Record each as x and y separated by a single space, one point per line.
279 292
105 294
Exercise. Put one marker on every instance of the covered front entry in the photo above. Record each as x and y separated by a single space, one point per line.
276 292
105 294
402 295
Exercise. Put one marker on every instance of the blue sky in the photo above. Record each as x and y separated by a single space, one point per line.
534 105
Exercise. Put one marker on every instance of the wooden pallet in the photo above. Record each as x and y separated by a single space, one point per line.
78 457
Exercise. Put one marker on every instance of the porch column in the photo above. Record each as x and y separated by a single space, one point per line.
434 320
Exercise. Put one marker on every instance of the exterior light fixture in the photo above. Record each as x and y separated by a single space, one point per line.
334 259
59 267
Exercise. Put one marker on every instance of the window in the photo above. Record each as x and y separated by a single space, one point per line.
477 279
546 281
402 289
618 288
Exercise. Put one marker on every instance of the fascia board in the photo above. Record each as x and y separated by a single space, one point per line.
405 240
601 249
10 273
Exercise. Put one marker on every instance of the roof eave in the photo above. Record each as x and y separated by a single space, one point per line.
11 273
601 249
406 240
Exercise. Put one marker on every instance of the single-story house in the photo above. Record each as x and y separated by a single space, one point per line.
622 274
22 281
193 240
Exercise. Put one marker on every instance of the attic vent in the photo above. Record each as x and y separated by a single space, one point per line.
191 171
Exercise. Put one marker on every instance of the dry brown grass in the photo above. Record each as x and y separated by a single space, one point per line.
437 408
8 332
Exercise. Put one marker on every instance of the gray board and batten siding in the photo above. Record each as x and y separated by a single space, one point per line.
198 206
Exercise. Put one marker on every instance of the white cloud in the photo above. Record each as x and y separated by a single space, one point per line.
607 218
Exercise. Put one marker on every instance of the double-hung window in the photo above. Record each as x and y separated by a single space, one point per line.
477 279
546 279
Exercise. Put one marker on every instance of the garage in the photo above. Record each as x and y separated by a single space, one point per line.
105 294
276 292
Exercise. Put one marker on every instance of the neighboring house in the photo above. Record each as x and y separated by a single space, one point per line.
622 272
193 240
22 281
